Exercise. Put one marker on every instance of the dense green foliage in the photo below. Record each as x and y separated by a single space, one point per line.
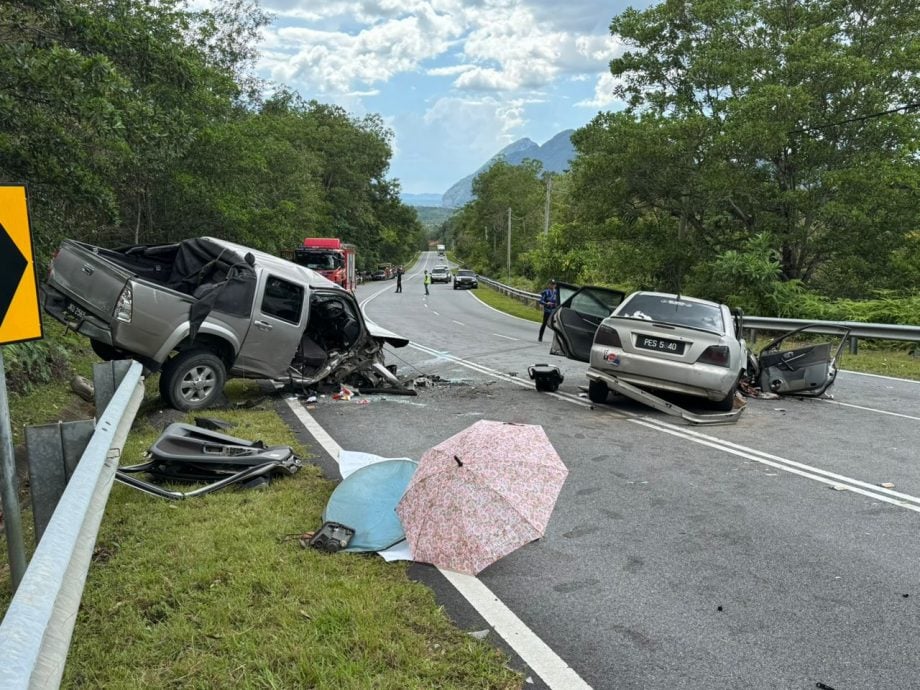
140 123
767 154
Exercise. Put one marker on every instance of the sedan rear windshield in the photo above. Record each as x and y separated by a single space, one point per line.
673 310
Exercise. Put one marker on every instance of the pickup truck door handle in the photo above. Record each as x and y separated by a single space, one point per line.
88 269
263 325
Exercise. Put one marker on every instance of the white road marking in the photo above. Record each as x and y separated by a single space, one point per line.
854 485
507 337
830 478
871 409
535 652
459 323
568 397
435 313
878 376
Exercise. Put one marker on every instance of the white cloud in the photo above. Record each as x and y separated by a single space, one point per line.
448 71
603 93
502 45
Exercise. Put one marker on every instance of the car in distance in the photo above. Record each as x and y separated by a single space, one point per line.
465 279
656 341
440 274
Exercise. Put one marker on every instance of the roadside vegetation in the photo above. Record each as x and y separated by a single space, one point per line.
766 158
217 591
143 123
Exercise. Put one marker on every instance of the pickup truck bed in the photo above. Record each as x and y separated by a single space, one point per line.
204 308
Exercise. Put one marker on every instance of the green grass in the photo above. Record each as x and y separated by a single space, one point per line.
216 592
508 304
900 364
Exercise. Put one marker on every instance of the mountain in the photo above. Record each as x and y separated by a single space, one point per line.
555 155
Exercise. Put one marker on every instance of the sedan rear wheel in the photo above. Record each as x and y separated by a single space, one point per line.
597 391
727 403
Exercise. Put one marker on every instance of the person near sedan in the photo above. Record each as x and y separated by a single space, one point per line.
427 281
549 300
399 274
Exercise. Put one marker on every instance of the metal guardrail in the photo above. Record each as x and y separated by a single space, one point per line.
522 295
858 329
35 633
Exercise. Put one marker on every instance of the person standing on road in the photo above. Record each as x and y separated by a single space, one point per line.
399 274
427 281
549 300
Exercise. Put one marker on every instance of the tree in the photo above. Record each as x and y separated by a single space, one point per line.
764 118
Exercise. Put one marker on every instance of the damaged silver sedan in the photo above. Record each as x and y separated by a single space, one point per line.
204 309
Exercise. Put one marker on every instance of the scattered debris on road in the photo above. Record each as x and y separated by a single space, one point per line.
188 453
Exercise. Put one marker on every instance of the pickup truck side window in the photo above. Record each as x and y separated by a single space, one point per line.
282 299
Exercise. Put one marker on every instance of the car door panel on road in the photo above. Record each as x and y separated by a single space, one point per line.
678 557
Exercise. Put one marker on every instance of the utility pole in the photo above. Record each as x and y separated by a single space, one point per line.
509 244
549 192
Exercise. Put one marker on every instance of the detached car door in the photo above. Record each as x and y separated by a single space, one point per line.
788 367
278 321
579 314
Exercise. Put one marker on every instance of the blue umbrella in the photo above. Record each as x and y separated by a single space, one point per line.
366 501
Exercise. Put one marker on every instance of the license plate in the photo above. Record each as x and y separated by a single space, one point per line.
74 310
647 342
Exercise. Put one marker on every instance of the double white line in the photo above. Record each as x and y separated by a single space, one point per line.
832 479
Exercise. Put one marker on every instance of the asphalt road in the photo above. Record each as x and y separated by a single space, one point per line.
762 554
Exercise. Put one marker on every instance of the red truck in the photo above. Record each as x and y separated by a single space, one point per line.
331 257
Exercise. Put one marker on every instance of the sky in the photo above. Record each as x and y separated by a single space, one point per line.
455 80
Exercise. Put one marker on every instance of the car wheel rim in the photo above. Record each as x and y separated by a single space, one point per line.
197 384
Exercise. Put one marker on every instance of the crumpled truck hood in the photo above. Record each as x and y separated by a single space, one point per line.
383 334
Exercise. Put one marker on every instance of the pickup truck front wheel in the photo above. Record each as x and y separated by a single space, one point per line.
193 380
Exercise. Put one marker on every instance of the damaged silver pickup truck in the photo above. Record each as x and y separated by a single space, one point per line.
204 309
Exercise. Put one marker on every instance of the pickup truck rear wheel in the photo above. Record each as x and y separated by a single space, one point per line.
193 380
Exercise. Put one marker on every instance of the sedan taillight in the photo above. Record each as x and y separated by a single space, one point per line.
715 354
605 335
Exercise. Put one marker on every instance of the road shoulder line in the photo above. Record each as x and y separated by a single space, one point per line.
525 643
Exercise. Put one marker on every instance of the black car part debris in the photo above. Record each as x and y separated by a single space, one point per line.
546 377
331 537
187 453
805 369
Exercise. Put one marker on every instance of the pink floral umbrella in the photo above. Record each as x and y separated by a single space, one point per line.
481 494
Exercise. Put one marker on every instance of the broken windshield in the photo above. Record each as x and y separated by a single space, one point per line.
674 310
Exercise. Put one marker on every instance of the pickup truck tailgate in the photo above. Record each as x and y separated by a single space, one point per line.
88 279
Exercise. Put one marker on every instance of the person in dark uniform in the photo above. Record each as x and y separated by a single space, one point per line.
399 274
549 300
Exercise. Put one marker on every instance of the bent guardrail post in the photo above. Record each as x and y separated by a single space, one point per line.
35 634
9 488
